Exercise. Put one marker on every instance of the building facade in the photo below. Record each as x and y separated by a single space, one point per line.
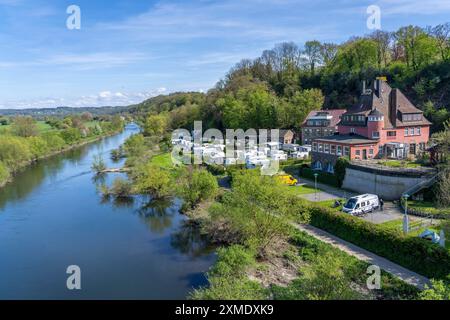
320 123
384 124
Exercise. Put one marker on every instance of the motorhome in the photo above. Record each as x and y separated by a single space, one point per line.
361 204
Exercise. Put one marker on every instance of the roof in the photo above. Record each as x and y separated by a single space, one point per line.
347 139
334 113
390 102
375 112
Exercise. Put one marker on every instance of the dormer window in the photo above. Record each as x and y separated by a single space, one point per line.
410 117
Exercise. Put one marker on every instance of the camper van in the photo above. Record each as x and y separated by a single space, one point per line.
361 204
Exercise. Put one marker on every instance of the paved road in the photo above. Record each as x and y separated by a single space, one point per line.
390 212
364 255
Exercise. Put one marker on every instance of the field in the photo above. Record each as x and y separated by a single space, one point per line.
163 160
42 127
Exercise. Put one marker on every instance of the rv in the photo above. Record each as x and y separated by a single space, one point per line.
361 204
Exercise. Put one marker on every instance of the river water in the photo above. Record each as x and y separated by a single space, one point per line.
52 217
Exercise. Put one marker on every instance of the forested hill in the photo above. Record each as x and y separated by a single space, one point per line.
279 88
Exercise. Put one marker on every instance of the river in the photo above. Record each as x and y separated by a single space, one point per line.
52 217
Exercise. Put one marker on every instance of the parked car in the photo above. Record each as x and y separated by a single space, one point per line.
287 179
361 204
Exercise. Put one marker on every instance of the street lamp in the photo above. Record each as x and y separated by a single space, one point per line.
405 217
315 186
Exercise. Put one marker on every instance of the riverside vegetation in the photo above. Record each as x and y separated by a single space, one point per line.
24 140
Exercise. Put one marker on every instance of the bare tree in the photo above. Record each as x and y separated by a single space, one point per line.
312 54
441 33
383 41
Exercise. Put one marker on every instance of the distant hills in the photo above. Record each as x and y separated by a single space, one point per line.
61 111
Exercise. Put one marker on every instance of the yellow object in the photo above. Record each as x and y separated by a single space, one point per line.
382 79
287 179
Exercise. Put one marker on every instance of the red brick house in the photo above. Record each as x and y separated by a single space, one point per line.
384 123
320 123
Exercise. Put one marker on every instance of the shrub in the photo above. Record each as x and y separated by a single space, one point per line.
411 252
151 179
38 146
71 135
197 186
439 290
98 165
121 188
54 140
14 151
4 173
339 170
228 279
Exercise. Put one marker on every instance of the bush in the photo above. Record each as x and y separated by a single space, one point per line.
14 151
4 173
323 177
197 186
121 188
98 165
215 169
228 279
71 135
151 179
339 170
411 252
54 140
38 146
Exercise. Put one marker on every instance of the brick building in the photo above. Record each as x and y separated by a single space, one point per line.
384 123
320 123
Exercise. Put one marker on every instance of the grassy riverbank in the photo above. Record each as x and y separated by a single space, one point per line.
26 141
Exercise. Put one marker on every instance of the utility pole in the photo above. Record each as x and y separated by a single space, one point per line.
405 217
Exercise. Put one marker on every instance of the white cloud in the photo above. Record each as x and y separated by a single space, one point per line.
103 98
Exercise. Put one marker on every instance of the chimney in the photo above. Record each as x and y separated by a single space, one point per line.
364 87
393 107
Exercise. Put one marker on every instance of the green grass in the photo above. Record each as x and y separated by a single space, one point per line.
399 164
163 160
300 190
330 203
414 222
41 125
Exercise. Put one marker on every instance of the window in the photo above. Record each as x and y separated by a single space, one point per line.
371 151
352 130
375 135
418 131
327 148
391 133
358 152
333 149
346 151
314 146
320 147
380 150
407 132
339 151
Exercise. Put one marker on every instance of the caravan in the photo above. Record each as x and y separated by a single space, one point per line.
361 204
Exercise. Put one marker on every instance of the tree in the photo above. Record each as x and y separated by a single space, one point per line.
155 125
382 40
151 179
328 53
303 102
25 127
339 169
442 140
86 116
256 211
441 32
98 165
4 173
14 151
197 185
312 53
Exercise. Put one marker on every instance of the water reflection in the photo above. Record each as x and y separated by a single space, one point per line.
190 240
158 215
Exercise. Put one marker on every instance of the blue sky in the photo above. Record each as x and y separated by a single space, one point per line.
129 50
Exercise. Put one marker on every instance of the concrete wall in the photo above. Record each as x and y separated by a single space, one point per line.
388 185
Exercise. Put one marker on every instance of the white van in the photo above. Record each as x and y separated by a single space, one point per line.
361 204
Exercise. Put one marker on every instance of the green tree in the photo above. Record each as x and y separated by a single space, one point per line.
24 127
38 146
14 151
340 168
439 290
155 125
4 173
153 180
197 185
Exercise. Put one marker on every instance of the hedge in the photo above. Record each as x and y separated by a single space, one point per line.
413 253
323 177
